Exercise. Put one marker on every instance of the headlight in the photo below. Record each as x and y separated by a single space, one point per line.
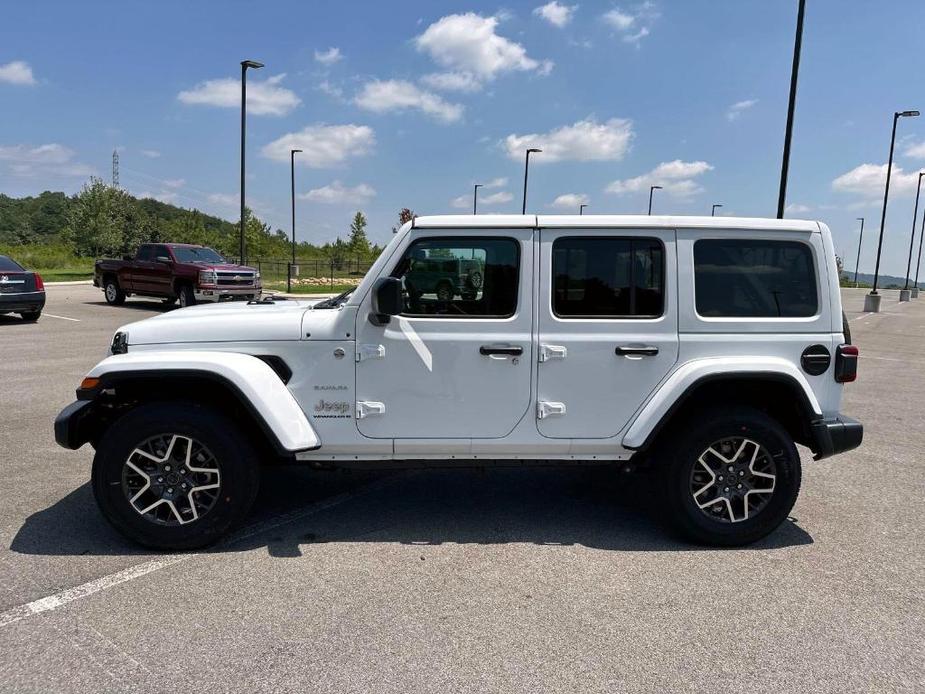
119 343
257 275
207 277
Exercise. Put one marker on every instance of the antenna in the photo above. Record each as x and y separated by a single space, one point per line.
115 168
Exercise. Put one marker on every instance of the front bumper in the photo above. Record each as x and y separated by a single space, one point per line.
837 435
22 301
226 294
74 424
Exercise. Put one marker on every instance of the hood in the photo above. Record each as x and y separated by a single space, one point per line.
232 321
224 267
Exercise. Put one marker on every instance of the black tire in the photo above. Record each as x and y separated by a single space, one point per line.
113 292
186 296
233 455
468 296
694 438
444 291
845 328
31 316
169 300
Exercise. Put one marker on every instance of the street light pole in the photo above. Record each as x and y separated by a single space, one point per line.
713 211
874 304
581 208
915 214
244 65
651 189
292 153
788 134
475 198
918 264
858 261
530 151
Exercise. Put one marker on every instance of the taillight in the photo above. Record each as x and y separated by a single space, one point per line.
846 363
39 284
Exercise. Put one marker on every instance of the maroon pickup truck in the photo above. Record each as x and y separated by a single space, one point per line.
173 271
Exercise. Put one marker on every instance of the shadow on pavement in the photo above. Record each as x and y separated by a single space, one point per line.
591 507
147 305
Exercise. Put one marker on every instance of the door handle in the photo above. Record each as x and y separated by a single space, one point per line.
507 350
636 351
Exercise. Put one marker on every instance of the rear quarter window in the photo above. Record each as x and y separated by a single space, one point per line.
753 278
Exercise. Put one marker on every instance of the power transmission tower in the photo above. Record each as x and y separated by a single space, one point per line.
115 168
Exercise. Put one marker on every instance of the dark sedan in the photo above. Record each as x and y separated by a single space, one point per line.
21 291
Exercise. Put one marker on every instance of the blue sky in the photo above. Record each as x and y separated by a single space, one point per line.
409 104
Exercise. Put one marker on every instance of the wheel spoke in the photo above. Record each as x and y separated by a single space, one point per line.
734 465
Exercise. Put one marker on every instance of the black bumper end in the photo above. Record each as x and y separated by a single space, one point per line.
837 435
73 425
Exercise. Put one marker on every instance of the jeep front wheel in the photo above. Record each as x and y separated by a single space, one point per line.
174 475
732 476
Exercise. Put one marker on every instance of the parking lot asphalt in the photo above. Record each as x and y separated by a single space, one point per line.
501 580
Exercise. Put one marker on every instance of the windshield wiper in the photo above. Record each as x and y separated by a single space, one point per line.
335 301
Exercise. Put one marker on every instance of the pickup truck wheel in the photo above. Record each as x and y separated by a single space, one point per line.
113 292
186 296
174 475
732 477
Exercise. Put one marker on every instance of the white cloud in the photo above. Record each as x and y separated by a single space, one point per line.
555 13
570 201
498 198
675 177
381 96
331 90
586 140
796 208
452 81
337 193
174 182
17 72
224 199
44 160
329 57
468 43
464 202
739 107
869 181
634 24
150 153
323 145
916 150
265 98
499 182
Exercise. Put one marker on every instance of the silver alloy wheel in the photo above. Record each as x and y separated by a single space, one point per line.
733 479
171 479
111 291
183 299
444 293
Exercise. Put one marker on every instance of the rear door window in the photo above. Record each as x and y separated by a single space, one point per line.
145 253
752 278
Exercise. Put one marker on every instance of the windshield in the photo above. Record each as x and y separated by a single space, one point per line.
335 301
186 254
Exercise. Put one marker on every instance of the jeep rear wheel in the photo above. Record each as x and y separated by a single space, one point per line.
444 291
732 477
174 475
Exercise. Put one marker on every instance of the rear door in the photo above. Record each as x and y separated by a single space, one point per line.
457 367
608 326
141 269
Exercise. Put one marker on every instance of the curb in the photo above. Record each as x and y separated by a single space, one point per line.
66 284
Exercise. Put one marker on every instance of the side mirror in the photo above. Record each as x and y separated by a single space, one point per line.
386 300
163 259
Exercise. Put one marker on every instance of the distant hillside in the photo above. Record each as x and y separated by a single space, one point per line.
885 281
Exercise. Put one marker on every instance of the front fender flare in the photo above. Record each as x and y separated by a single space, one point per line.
258 387
690 374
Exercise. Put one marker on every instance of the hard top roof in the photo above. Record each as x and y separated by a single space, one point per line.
608 221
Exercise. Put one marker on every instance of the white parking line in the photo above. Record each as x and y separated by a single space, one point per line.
62 598
52 315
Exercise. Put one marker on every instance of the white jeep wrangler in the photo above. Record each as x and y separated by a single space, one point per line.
702 347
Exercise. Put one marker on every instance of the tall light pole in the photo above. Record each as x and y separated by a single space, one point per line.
530 151
919 262
788 134
475 198
858 261
713 210
581 208
651 190
244 65
292 153
874 303
915 214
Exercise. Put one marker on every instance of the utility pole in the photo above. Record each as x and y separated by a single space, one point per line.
788 135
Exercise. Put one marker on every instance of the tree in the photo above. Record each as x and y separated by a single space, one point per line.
358 243
102 221
405 215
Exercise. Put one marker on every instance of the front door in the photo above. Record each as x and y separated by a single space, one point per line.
608 327
457 362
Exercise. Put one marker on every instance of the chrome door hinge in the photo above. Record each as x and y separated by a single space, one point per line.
366 408
548 352
546 409
365 352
